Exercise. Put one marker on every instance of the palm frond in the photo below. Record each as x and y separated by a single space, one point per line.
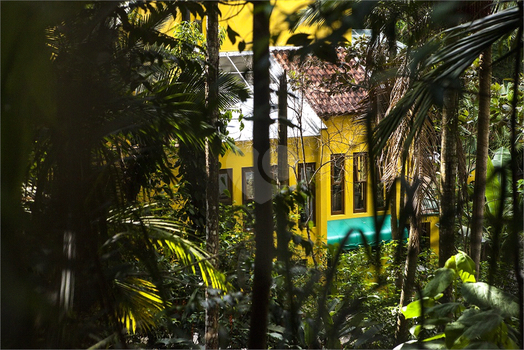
446 65
167 236
139 303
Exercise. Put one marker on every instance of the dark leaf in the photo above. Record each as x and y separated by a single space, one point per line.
485 296
443 278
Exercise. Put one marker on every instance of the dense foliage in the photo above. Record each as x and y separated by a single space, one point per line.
104 131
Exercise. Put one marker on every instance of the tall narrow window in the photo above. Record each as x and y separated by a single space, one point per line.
248 185
274 172
359 182
225 185
337 184
305 173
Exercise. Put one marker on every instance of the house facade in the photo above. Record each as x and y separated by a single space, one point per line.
326 148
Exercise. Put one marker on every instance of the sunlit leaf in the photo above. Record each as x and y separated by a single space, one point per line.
465 267
485 296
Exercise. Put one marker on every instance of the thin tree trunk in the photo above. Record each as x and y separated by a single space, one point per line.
393 212
283 171
212 166
410 269
409 279
481 158
264 249
518 210
448 174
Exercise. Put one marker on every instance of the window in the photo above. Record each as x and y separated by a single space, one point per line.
308 171
274 173
225 186
337 184
380 190
248 185
359 182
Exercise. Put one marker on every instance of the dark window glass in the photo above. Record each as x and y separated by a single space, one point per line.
248 185
225 185
359 182
337 184
306 173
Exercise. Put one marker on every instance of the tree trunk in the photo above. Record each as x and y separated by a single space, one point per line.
283 171
264 248
448 174
482 157
409 279
393 212
410 269
212 165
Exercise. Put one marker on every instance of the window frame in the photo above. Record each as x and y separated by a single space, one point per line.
357 181
338 157
245 199
229 186
312 188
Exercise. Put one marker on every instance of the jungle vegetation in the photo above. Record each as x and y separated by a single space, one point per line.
112 236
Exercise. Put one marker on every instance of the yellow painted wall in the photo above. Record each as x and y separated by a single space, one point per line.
343 136
239 16
434 235
340 136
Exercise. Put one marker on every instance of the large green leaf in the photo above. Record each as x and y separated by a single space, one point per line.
442 310
414 309
443 278
465 267
453 332
485 296
492 189
479 324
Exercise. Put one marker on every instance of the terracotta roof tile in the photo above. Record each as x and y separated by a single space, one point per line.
322 87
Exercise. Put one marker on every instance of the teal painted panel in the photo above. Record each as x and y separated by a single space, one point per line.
338 229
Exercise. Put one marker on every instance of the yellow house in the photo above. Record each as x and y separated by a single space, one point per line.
326 148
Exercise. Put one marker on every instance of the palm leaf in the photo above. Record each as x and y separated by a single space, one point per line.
166 235
139 303
446 65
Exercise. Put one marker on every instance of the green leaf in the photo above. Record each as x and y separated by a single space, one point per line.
442 310
480 324
369 335
451 263
415 330
465 267
414 309
482 345
439 283
453 332
438 336
276 335
485 296
492 189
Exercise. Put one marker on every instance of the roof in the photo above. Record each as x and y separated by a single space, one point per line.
321 99
325 94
